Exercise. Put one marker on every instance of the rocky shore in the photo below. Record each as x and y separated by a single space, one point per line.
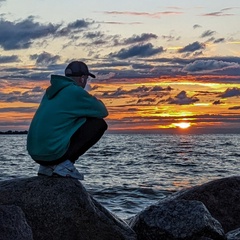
51 208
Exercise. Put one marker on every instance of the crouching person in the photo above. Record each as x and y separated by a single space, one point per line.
66 124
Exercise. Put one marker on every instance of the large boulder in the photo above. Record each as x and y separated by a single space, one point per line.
221 197
13 224
61 208
170 218
234 234
177 220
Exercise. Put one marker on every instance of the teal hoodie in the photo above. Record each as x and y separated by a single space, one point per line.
63 109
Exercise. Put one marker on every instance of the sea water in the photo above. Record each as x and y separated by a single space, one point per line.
127 172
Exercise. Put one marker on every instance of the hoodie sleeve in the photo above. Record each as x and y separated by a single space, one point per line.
88 105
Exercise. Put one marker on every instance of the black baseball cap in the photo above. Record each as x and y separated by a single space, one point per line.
77 68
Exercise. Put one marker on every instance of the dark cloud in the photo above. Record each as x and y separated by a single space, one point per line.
211 39
120 23
184 61
159 88
133 109
20 35
206 66
74 28
143 50
18 109
182 99
45 59
78 24
37 90
150 68
226 9
234 108
192 47
38 73
99 38
207 33
142 66
207 118
225 59
138 39
170 38
115 40
9 59
146 100
117 93
217 102
171 67
109 65
219 40
231 92
217 14
141 91
94 35
31 96
197 54
197 26
20 124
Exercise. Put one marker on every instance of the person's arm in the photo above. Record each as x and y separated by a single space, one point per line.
90 106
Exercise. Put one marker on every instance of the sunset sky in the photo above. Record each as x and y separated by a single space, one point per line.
158 63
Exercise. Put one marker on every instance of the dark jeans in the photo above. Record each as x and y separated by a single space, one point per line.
83 139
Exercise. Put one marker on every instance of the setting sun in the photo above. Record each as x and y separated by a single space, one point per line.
183 125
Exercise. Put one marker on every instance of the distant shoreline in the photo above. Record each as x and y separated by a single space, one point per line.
9 132
173 132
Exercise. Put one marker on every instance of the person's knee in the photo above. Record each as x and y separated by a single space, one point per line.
104 124
100 123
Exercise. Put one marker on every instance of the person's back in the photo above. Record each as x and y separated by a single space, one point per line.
67 123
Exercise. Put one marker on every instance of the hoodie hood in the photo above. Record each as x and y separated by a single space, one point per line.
57 84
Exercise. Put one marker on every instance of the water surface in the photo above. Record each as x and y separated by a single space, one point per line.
127 172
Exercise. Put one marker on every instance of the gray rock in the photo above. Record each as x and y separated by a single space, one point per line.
233 235
13 224
179 220
61 208
221 197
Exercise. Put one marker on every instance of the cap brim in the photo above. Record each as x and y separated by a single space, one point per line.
92 75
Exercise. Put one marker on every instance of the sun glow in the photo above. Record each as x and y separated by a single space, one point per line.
183 125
